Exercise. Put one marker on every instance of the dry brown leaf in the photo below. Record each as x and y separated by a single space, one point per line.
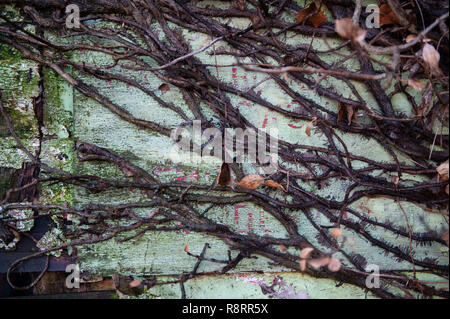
336 232
387 16
350 114
310 124
347 111
410 37
252 181
239 4
164 88
134 283
447 189
283 247
224 177
274 184
315 19
305 253
334 264
442 170
186 248
346 29
431 57
445 237
319 262
416 84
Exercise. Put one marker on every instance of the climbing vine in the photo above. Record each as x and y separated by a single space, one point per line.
417 49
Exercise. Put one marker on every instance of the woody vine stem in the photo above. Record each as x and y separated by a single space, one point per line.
131 42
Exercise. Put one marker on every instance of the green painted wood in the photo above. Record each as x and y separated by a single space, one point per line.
71 116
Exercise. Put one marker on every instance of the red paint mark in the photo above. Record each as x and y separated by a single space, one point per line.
245 103
234 76
265 122
293 126
250 221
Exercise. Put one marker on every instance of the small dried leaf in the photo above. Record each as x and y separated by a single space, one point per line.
316 19
346 29
347 111
396 180
336 232
387 16
164 88
252 181
409 38
283 247
334 264
445 237
319 262
416 84
135 283
273 184
431 57
442 170
127 171
239 4
224 177
310 124
186 248
350 114
305 253
302 265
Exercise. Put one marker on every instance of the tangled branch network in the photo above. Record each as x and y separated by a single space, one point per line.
147 36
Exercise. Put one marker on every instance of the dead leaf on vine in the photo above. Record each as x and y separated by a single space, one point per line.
186 248
252 181
305 253
346 29
283 248
431 57
387 16
134 283
445 237
347 111
442 170
416 84
308 127
319 262
224 177
336 232
127 171
334 265
410 38
316 19
274 184
239 4
164 88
